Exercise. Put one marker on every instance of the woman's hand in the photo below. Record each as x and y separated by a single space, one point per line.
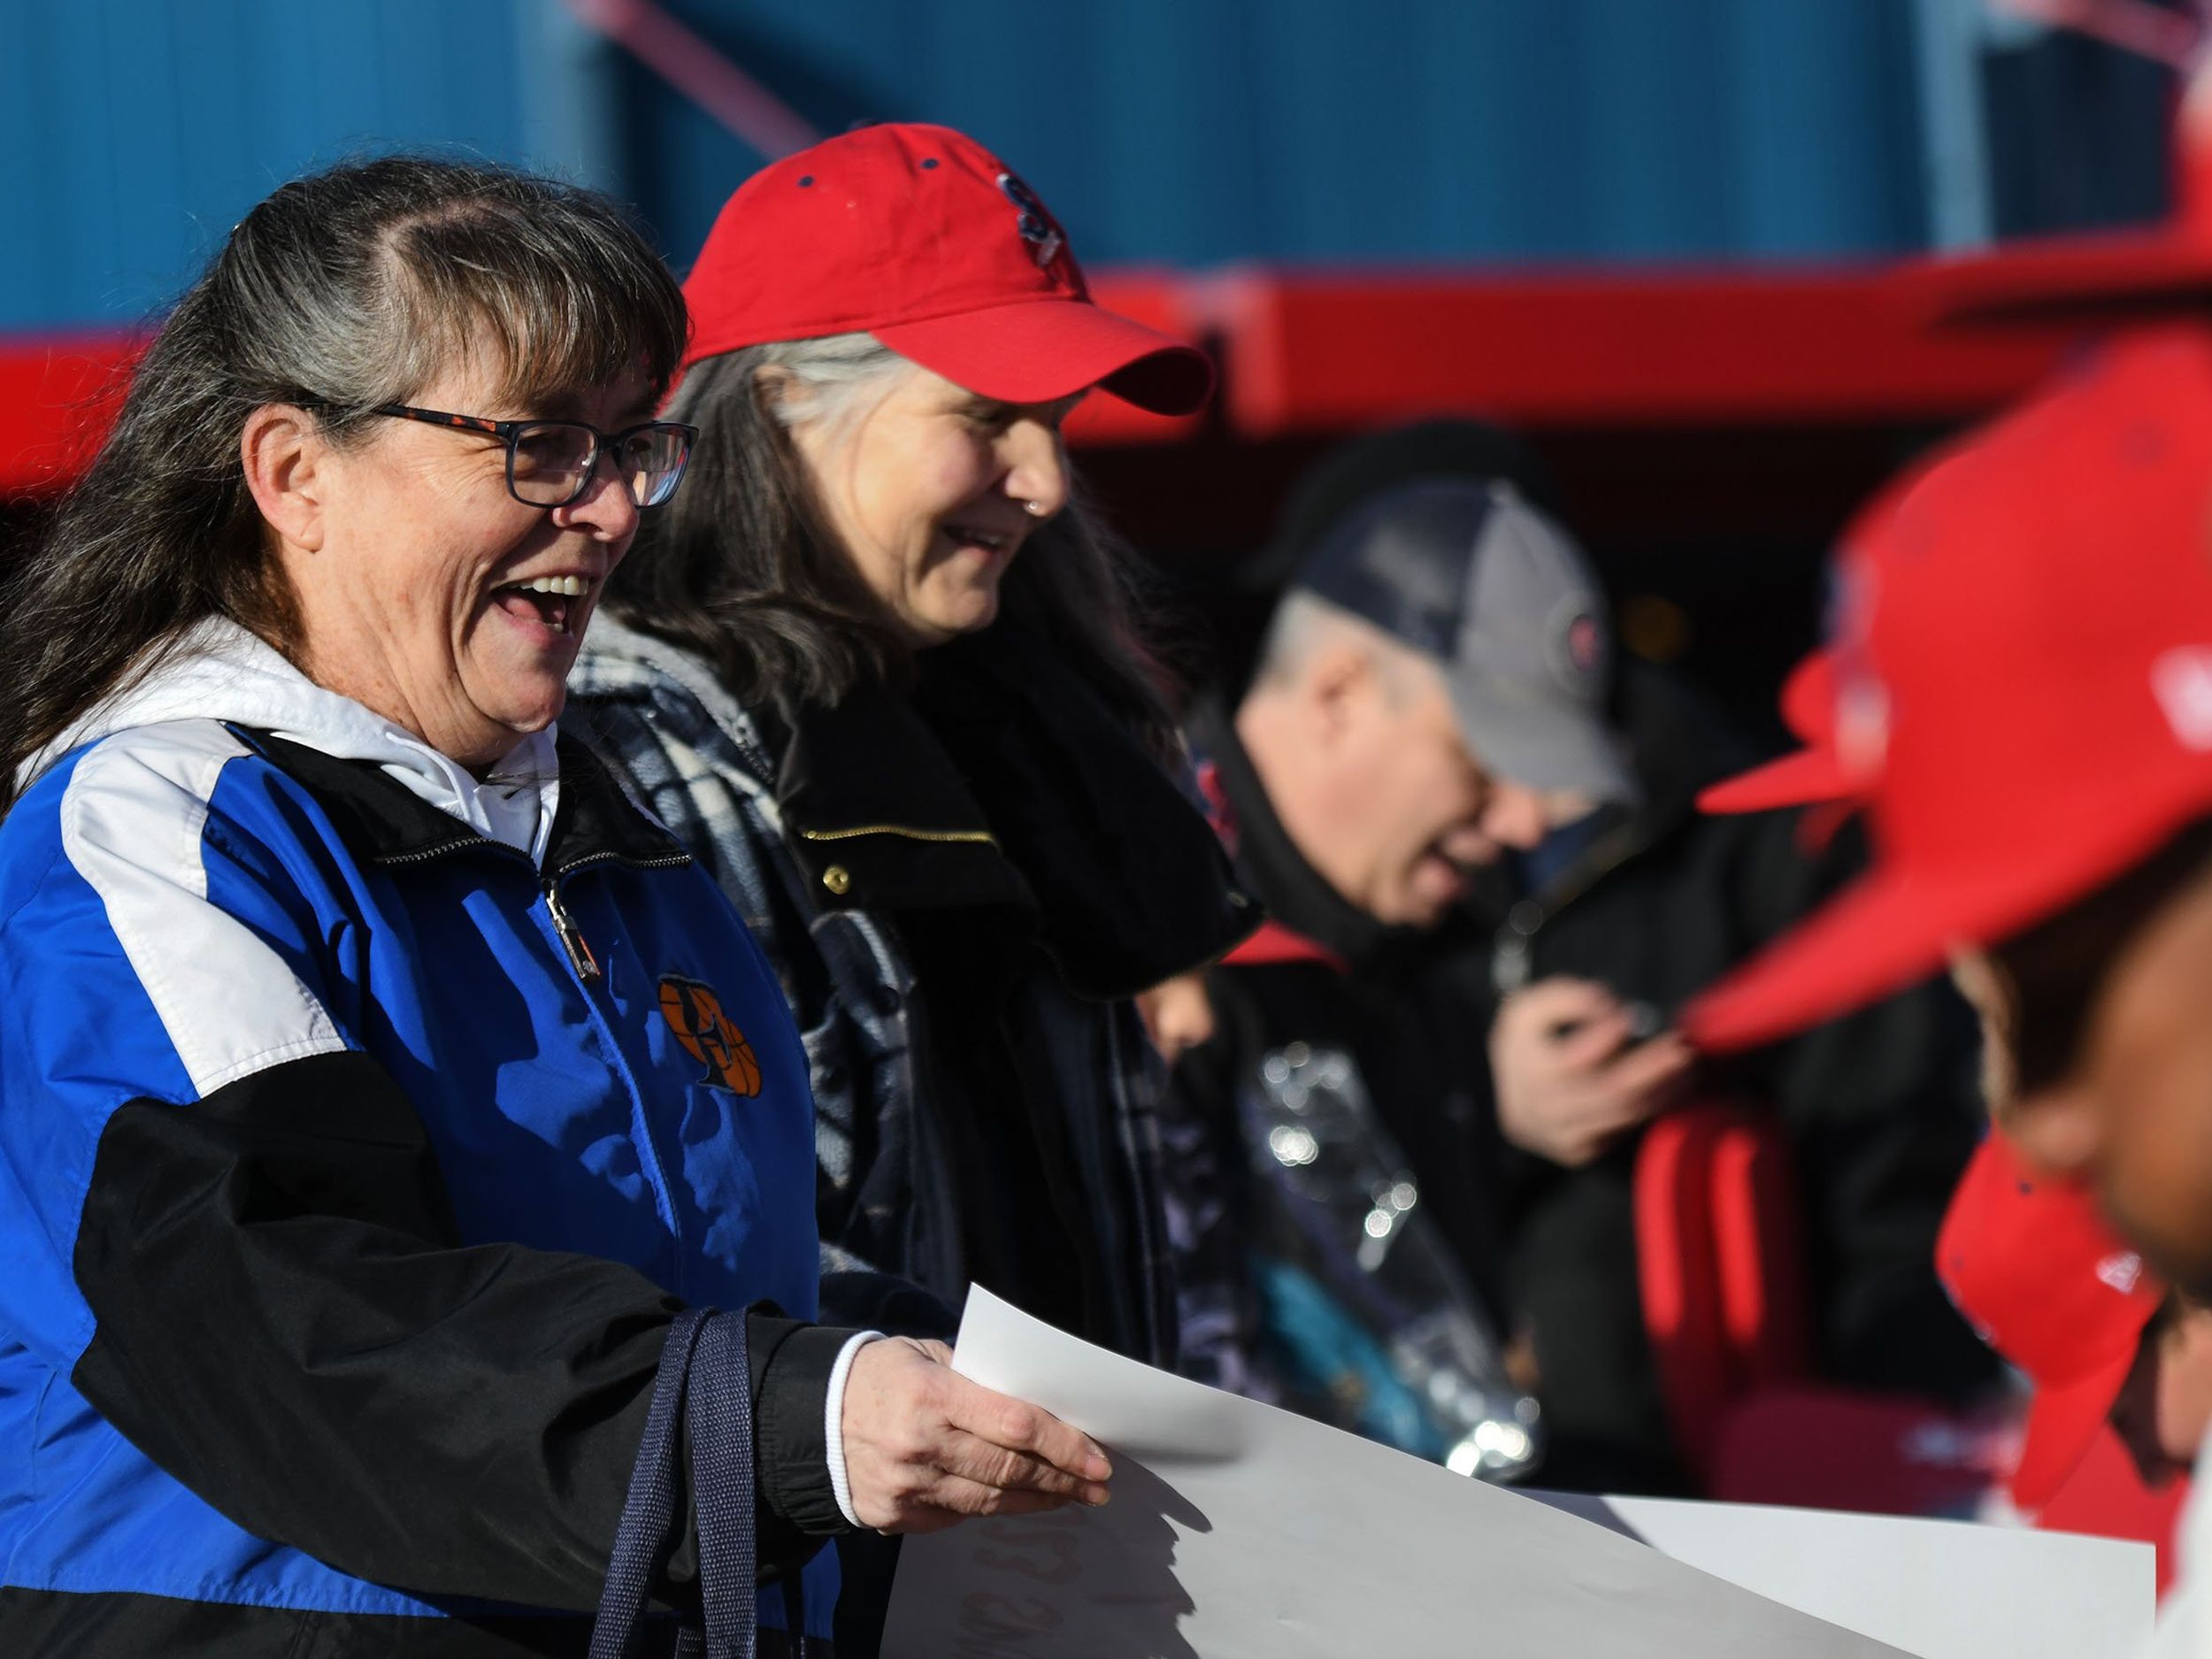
925 1448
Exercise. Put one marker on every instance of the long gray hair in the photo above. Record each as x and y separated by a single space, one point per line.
352 288
742 569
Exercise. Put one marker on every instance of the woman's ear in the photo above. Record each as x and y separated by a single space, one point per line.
772 387
283 451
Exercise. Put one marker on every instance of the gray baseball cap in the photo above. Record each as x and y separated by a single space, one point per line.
1468 572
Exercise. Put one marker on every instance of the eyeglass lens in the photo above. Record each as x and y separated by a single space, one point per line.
551 457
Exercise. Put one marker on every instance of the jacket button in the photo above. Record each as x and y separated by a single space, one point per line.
838 880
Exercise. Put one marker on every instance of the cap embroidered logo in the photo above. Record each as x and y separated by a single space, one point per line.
694 1013
1862 725
1035 224
2122 1271
2181 679
1582 643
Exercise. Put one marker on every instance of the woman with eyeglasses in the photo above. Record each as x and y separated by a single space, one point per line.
406 1158
876 667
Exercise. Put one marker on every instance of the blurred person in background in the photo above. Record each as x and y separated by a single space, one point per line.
387 1106
1585 948
2024 1255
2047 1283
2024 659
1568 944
877 669
1345 784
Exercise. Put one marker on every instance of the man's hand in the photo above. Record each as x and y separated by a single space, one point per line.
1570 1079
924 1448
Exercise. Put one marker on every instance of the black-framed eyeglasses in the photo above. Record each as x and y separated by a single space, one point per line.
551 463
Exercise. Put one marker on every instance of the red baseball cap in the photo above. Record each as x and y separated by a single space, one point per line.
2037 1273
1804 777
921 237
2023 662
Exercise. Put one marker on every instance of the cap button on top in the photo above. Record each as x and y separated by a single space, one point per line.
838 880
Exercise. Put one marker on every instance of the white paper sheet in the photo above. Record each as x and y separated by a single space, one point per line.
1940 1589
1237 1530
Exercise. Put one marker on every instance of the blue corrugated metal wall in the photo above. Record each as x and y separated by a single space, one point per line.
1203 130
1192 131
139 131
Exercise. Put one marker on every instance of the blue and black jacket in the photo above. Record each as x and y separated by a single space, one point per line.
362 1130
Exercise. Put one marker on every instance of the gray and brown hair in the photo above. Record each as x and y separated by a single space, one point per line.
343 290
742 569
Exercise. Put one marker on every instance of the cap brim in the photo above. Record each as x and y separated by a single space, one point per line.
1039 351
2062 1422
1541 746
1805 777
1898 924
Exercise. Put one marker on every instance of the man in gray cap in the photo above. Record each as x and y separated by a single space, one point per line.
1483 585
1429 701
1481 889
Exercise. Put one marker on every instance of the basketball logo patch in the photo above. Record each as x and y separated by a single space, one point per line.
694 1012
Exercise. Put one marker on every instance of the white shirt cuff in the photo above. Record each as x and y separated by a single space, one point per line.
834 1422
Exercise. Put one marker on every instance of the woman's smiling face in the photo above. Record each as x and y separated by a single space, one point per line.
932 490
428 593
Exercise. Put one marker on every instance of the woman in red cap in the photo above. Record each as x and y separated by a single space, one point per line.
876 666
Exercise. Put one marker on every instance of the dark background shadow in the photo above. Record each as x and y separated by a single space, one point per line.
1100 1580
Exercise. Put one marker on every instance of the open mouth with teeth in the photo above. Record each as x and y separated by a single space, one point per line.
550 602
993 543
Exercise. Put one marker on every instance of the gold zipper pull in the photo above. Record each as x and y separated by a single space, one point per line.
579 957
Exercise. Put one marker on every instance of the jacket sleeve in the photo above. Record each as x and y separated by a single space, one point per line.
234 1239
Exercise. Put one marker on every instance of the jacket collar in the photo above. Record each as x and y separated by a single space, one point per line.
1297 895
384 822
218 671
1679 741
880 817
996 781
1132 885
1001 780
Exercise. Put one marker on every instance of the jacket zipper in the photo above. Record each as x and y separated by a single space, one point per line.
572 937
585 965
564 928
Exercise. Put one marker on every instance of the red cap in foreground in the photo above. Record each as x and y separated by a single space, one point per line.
2024 682
2037 1273
921 237
1805 777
